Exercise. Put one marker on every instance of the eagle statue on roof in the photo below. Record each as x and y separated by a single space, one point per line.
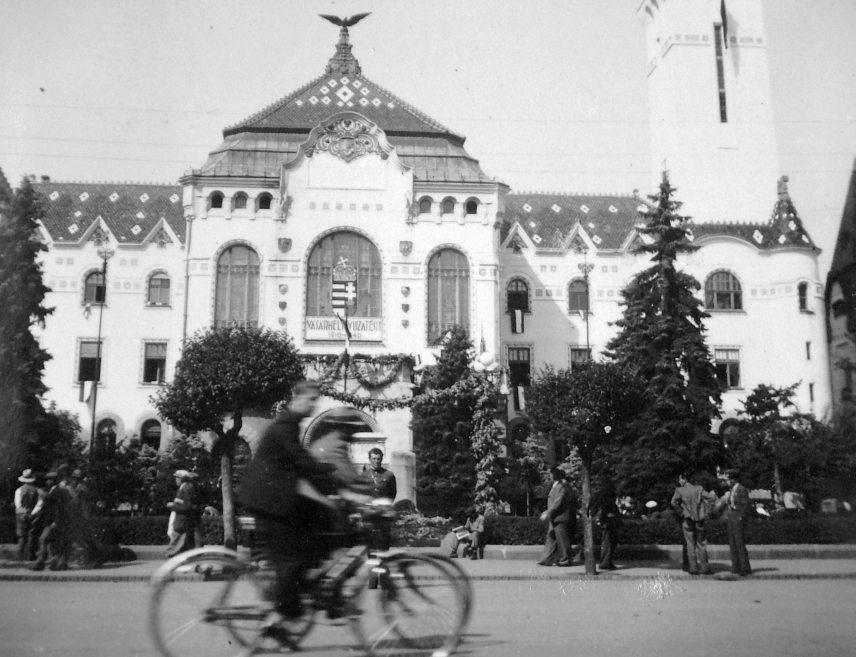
346 21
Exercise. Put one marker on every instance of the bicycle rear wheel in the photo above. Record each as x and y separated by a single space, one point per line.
419 608
207 602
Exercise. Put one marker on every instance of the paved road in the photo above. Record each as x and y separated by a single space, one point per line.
659 616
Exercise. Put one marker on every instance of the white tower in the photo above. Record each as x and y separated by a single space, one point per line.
711 115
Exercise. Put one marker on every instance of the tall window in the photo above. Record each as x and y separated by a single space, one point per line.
89 361
517 298
720 73
578 298
237 296
722 292
154 362
802 296
94 290
361 254
150 434
448 292
158 294
519 373
727 365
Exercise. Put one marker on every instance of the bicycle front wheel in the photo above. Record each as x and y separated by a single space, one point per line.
419 608
207 602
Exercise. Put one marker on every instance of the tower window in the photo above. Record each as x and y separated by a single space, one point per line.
215 201
265 201
720 72
722 292
802 296
240 201
448 205
425 205
472 206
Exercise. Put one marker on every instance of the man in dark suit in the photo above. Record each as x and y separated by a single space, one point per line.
286 518
691 503
736 514
561 511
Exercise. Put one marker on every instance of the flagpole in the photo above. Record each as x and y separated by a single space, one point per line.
347 360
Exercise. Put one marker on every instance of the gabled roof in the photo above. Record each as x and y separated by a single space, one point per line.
608 220
130 211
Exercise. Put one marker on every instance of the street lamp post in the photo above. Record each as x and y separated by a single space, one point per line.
105 253
586 268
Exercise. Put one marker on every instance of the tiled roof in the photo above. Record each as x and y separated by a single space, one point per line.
548 219
130 210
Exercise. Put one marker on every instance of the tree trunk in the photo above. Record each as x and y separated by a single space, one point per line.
229 536
588 533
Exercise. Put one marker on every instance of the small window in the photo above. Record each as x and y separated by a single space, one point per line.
216 201
448 205
727 365
808 350
472 206
802 296
579 355
265 201
150 434
425 205
811 392
240 201
94 290
519 372
578 297
154 362
722 292
158 290
89 363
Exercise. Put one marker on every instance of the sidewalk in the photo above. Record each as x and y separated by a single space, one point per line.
518 563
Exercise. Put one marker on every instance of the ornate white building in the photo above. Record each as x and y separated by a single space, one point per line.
343 169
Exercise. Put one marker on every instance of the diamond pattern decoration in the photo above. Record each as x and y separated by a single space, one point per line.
584 208
141 215
757 236
136 230
84 196
805 239
364 91
357 84
613 209
73 228
536 239
345 93
78 213
144 197
344 79
174 198
376 102
792 225
299 102
532 224
54 195
326 100
590 225
527 207
324 90
364 102
782 239
596 239
114 197
314 100
555 208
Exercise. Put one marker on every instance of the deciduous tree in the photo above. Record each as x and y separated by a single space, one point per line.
222 373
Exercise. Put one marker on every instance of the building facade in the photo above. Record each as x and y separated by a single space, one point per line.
342 180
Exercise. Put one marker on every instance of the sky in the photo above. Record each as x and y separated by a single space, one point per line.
550 94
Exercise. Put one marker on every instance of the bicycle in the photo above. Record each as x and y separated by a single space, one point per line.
214 599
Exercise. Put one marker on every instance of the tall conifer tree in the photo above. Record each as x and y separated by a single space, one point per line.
22 360
662 340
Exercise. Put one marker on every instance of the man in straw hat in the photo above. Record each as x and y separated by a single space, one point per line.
26 496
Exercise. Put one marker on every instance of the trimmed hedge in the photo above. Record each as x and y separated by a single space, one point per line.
418 531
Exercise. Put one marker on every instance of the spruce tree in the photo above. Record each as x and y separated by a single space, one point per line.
22 360
661 340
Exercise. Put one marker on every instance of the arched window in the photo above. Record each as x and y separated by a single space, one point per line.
237 295
802 295
722 292
361 254
472 206
105 437
425 205
94 290
448 205
240 201
215 201
150 434
517 295
448 292
578 296
264 201
158 292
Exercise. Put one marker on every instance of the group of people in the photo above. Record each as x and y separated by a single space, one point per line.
692 503
52 514
288 489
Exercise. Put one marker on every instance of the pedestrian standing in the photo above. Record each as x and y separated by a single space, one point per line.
82 532
382 480
604 510
26 497
691 502
560 513
54 521
736 513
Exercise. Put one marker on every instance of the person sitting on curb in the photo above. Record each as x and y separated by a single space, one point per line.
470 534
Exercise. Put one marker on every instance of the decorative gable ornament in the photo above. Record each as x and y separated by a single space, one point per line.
516 244
347 135
284 244
406 247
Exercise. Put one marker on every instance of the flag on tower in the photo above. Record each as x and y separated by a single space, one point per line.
724 18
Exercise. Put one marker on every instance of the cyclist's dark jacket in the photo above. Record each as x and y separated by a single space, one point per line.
269 486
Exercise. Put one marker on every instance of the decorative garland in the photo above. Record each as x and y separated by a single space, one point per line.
332 364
